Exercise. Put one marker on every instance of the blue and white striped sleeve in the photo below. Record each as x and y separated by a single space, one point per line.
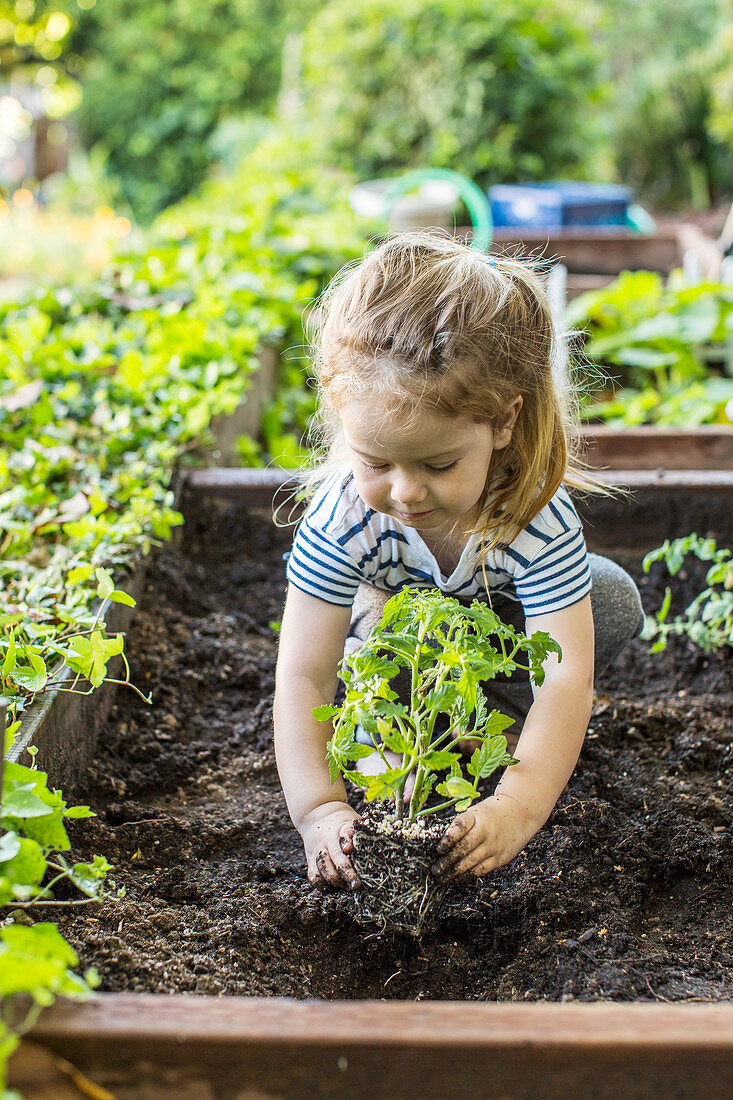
321 567
558 577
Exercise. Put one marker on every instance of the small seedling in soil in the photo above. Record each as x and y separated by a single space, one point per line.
447 650
708 620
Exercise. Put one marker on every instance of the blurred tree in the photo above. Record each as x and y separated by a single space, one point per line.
37 91
159 78
495 89
664 58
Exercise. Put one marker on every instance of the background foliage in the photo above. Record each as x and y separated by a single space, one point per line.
495 90
505 90
160 78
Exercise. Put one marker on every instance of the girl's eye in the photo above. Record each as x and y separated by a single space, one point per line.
371 466
442 469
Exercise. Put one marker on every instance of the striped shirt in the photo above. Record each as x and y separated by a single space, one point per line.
340 543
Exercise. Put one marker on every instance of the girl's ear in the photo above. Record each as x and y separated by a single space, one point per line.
505 423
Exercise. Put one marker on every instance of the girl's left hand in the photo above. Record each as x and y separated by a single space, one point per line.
482 838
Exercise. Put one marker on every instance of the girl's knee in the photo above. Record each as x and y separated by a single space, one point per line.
618 615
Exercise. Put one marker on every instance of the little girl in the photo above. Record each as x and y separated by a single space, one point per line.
448 457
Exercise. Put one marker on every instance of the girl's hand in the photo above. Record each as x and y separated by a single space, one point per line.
327 834
482 838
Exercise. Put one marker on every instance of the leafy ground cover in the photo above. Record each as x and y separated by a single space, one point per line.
104 387
664 348
624 895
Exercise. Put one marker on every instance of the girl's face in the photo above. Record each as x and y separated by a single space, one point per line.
427 473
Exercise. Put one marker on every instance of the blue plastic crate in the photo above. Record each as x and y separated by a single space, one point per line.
559 204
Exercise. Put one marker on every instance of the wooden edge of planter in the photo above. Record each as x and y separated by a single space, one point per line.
709 447
260 485
287 1048
246 418
606 252
648 506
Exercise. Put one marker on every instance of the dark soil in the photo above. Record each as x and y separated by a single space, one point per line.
624 895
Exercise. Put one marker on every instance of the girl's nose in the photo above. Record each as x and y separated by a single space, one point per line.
407 489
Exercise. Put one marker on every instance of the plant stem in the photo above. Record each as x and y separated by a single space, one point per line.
440 806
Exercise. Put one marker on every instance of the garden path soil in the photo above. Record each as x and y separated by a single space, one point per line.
625 894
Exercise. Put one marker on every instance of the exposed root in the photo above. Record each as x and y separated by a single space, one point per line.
398 891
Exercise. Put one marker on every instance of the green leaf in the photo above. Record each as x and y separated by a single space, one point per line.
47 829
33 677
396 740
28 866
79 811
496 723
457 787
325 712
9 662
10 733
439 759
122 597
79 573
21 801
382 786
105 584
89 656
89 877
9 846
488 757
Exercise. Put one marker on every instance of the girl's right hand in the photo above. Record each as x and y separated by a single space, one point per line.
327 834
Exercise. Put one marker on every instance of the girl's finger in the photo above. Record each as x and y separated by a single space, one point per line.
347 873
457 829
464 866
346 837
326 869
485 866
445 866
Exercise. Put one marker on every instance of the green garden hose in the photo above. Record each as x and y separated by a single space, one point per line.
476 202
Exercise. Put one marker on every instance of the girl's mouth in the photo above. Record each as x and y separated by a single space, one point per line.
413 515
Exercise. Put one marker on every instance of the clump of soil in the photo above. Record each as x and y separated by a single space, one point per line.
624 894
393 860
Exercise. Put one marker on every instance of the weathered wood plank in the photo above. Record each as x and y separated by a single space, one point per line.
250 1047
709 447
604 252
246 418
653 504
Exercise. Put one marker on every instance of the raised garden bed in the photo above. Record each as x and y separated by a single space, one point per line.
709 447
624 896
604 252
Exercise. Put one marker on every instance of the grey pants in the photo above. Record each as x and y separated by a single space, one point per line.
617 618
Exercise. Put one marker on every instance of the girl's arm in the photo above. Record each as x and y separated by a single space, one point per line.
312 640
492 832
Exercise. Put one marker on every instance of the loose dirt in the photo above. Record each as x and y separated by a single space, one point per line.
625 894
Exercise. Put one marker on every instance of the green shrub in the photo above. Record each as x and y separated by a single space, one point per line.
158 78
661 59
495 90
105 385
665 146
663 344
722 118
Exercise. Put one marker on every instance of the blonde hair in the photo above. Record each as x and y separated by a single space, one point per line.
426 322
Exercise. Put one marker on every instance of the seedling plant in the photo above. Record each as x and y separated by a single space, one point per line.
708 619
446 650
